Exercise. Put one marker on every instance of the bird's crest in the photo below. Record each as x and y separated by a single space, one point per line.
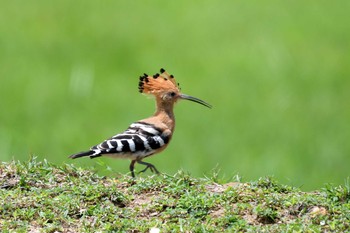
158 83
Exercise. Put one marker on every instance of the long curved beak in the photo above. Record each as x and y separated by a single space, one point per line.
194 99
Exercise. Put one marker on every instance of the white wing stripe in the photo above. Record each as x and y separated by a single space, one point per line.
160 140
109 144
145 143
147 128
120 146
131 145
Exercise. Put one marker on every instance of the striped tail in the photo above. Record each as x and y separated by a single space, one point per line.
82 154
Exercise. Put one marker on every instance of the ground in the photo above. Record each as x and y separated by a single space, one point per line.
41 197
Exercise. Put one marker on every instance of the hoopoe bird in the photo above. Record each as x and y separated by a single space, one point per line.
148 136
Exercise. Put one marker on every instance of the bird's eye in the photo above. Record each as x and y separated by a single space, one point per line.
172 94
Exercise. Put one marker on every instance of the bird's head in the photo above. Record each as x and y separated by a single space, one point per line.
165 89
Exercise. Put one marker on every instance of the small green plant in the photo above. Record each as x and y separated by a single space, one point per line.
265 214
340 193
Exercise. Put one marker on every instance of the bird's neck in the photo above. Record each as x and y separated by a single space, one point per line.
165 113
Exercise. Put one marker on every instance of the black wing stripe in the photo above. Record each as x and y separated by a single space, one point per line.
104 145
126 147
139 143
165 138
155 142
114 143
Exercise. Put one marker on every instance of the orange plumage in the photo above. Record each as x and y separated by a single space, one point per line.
158 83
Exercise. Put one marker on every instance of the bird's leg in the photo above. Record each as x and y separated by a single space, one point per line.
148 165
131 167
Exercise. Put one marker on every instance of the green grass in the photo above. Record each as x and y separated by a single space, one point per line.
40 196
276 73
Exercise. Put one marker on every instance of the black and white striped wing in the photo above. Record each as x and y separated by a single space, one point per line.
139 140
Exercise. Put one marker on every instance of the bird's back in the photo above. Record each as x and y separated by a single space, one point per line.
140 140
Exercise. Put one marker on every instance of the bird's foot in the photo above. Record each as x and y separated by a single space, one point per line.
148 165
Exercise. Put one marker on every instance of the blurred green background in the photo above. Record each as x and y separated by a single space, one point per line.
276 72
